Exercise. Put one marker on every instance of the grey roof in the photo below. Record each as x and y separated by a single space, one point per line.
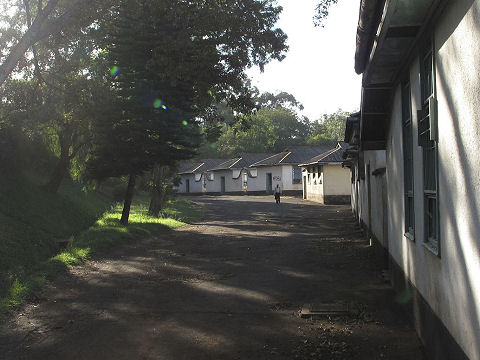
334 155
293 155
241 161
198 166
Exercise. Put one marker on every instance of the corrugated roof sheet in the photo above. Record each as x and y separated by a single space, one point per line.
198 166
332 156
293 155
241 161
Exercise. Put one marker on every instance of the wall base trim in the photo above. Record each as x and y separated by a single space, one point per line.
438 342
336 199
295 193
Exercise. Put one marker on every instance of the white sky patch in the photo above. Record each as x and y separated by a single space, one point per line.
319 67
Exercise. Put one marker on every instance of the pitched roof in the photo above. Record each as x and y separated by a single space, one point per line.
334 155
198 166
293 155
240 162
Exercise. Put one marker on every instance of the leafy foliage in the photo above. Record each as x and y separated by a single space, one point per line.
266 131
329 129
322 10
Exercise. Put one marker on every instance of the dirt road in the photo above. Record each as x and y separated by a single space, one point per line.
228 287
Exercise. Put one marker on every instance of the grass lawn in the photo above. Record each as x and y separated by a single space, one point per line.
104 234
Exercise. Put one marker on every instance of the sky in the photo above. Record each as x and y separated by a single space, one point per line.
319 67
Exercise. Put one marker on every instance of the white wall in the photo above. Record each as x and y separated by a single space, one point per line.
195 186
231 185
259 183
314 185
336 180
451 282
287 179
376 159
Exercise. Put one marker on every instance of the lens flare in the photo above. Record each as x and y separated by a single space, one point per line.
114 71
157 103
184 122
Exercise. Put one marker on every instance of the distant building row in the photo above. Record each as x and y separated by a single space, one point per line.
316 173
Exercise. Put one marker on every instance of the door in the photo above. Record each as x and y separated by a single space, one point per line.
187 186
269 183
222 184
305 187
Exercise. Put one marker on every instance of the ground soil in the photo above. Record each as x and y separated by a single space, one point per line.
228 287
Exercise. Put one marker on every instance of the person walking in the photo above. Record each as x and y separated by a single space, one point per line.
277 192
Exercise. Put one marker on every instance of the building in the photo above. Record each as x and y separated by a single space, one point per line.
234 176
324 178
193 175
284 169
249 173
420 62
368 187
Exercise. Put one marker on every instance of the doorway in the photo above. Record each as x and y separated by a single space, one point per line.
304 187
187 186
222 184
269 183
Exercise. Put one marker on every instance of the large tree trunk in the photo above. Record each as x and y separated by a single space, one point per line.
157 194
128 200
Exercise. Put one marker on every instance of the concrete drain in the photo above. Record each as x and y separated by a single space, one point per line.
328 309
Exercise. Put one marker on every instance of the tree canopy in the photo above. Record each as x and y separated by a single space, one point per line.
126 86
275 126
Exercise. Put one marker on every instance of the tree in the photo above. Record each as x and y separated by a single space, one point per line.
60 106
329 129
138 130
322 10
173 60
268 130
161 188
41 22
282 99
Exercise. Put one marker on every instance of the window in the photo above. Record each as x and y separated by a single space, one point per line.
297 175
427 140
408 161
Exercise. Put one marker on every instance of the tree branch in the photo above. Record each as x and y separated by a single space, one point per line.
26 41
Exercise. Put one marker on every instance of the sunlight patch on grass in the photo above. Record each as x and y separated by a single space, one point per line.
105 234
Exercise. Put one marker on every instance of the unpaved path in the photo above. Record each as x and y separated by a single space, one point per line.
229 287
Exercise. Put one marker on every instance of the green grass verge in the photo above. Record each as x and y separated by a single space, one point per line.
105 234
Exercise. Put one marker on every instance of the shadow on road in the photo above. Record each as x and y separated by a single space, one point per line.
227 287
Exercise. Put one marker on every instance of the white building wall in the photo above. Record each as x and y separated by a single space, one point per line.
231 184
378 199
354 189
336 180
195 186
376 159
259 183
287 179
450 283
314 185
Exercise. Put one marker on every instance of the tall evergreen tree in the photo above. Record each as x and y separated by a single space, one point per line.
171 61
139 129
